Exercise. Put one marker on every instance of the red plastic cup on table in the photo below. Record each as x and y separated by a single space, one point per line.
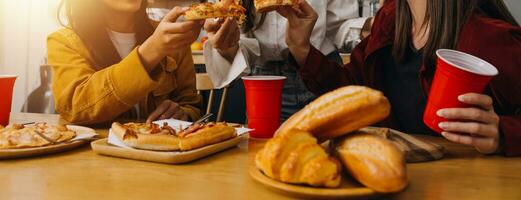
6 97
457 73
263 104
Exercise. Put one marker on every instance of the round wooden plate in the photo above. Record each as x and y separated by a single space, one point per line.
36 151
348 189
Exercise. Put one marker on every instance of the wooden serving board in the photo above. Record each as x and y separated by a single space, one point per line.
102 147
348 189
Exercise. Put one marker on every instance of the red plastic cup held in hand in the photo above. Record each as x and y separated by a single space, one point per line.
457 73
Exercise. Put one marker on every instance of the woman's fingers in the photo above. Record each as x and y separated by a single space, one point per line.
305 10
182 27
471 128
174 14
180 115
159 110
478 100
482 144
286 12
213 25
465 114
232 36
462 139
169 113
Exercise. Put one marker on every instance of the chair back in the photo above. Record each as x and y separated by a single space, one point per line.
204 83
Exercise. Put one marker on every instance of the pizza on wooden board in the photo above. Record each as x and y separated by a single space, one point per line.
165 138
220 9
19 136
263 6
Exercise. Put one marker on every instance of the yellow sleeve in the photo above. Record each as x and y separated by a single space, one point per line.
186 93
85 96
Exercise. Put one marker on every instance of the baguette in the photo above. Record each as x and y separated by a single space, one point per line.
340 112
373 161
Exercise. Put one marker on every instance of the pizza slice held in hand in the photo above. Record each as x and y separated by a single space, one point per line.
220 9
263 6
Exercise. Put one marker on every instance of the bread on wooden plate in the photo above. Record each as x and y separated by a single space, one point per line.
340 112
296 157
373 161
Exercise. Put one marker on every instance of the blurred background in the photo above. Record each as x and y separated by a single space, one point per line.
24 25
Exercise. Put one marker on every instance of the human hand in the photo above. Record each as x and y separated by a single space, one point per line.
477 126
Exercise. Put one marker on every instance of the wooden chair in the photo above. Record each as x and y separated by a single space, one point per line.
205 84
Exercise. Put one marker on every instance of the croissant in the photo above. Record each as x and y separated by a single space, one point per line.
296 157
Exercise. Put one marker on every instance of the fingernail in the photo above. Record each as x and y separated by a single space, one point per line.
444 134
441 113
443 125
461 98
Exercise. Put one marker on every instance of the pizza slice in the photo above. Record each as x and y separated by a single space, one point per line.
20 136
200 135
263 6
165 138
147 136
220 9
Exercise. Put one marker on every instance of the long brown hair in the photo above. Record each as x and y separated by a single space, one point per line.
445 19
83 16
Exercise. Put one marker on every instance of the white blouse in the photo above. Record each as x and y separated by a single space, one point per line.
338 23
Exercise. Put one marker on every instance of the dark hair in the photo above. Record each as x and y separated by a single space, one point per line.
445 19
250 25
84 19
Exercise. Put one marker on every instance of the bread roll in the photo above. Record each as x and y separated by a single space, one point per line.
340 112
297 158
373 161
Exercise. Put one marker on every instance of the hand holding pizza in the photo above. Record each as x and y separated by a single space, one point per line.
166 110
169 37
224 35
301 21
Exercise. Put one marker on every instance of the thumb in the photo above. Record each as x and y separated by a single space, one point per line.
174 14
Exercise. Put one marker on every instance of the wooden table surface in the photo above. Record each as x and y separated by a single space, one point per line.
81 174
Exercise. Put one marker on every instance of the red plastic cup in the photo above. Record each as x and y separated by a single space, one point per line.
457 73
6 97
263 102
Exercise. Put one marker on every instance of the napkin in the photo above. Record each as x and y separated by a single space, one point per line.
82 133
174 123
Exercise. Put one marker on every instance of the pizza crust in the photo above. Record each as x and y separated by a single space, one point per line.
263 6
207 136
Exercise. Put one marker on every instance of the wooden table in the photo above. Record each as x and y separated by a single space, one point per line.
81 174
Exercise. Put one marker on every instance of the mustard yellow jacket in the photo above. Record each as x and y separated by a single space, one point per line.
85 96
